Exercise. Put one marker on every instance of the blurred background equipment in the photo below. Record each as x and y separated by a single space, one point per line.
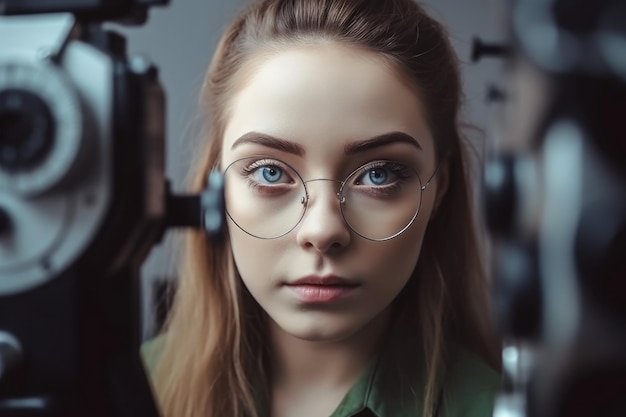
555 201
83 198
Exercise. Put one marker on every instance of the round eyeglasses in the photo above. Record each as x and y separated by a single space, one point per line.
267 198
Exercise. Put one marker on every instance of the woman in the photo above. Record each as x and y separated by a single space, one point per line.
350 281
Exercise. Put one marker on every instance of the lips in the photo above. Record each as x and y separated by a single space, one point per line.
317 290
330 280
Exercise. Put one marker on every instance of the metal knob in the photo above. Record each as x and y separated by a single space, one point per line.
481 49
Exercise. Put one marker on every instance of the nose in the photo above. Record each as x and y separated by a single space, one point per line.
323 228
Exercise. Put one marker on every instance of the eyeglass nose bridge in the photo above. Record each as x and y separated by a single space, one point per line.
342 199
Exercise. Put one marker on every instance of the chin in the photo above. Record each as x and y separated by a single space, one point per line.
318 335
319 330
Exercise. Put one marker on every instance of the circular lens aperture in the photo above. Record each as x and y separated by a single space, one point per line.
26 129
264 197
381 199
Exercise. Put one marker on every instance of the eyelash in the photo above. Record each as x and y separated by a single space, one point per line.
400 171
249 170
262 163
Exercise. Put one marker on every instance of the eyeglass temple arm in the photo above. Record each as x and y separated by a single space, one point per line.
431 177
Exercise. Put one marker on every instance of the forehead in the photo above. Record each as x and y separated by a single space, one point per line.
323 96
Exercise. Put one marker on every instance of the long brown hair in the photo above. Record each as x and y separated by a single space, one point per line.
214 362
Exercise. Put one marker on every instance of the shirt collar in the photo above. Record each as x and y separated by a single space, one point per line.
387 387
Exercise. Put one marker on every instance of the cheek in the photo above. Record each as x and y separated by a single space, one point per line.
245 251
400 258
255 259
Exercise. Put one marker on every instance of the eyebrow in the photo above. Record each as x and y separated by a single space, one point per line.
381 140
350 149
270 142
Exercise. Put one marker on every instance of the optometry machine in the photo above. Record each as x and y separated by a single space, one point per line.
83 198
555 200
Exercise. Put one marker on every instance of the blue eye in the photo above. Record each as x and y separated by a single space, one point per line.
378 176
268 173
265 177
272 174
381 179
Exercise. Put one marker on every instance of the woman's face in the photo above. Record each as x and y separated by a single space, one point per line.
325 110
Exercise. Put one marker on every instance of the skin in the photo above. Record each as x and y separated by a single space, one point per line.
323 97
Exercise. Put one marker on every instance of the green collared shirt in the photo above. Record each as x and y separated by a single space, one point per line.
388 389
385 390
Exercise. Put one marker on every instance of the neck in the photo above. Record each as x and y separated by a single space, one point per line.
304 363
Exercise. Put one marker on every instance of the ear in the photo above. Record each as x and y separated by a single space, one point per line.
442 182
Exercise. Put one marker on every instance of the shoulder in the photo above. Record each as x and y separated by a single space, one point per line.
471 386
151 351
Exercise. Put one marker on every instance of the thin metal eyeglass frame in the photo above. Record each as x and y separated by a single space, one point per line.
304 201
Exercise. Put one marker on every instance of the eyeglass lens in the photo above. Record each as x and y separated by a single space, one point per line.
267 198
